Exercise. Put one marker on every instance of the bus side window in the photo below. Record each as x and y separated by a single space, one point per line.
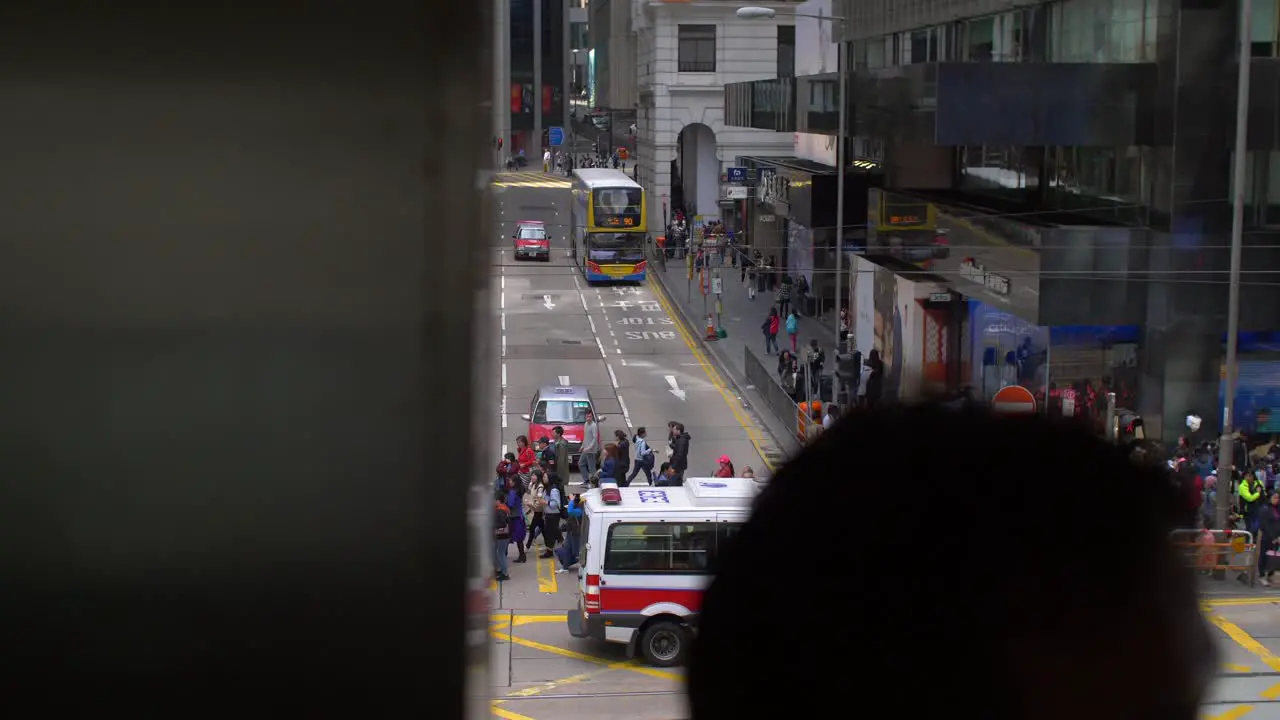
540 412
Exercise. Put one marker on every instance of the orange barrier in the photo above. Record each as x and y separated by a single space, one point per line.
807 428
1207 552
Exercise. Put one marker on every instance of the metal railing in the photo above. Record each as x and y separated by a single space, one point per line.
1214 550
783 407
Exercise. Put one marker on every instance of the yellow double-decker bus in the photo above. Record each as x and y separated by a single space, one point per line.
608 230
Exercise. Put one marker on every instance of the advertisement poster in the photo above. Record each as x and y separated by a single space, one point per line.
863 304
1014 352
591 78
800 251
887 318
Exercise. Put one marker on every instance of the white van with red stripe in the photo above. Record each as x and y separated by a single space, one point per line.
646 558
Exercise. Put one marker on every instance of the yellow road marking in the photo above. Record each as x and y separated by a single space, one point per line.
552 649
713 374
1272 692
1246 641
1229 602
547 575
503 618
1232 714
1232 667
507 714
580 677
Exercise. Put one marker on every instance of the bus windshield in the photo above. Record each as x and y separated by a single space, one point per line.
616 207
615 247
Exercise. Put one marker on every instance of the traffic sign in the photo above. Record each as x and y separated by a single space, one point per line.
555 135
1013 400
736 174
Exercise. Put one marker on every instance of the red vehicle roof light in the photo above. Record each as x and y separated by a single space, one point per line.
610 493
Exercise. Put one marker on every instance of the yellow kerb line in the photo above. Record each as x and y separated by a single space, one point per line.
629 666
547 574
713 374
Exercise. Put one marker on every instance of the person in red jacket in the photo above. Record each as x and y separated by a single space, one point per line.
526 458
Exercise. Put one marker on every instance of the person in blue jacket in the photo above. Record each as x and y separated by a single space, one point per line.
567 553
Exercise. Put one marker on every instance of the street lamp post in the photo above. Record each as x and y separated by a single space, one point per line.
1226 442
763 13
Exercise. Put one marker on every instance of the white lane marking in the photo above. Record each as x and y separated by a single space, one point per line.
504 374
623 361
504 346
504 450
675 387
504 410
564 379
503 317
546 302
601 346
612 378
615 341
583 298
592 323
626 416
619 350
575 282
502 301
503 281
613 334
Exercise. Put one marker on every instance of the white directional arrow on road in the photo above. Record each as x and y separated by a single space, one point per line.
675 387
546 302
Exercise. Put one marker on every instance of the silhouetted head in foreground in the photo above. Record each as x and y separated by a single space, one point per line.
931 563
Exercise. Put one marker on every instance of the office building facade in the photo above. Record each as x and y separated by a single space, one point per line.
667 62
1077 155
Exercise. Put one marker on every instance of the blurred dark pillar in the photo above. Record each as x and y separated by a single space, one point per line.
234 447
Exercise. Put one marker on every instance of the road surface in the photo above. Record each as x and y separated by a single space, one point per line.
642 368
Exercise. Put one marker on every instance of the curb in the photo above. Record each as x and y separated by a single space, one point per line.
779 451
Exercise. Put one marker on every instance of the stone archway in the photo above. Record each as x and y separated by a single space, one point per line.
698 159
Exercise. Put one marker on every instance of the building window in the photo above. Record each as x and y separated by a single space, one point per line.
919 47
1262 187
980 39
1263 28
877 52
1009 37
1103 31
697 48
786 51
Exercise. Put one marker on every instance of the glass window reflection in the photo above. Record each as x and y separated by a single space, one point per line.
1103 31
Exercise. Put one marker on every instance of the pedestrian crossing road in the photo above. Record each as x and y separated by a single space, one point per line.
530 179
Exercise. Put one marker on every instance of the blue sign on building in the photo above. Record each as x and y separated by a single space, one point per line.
555 135
736 174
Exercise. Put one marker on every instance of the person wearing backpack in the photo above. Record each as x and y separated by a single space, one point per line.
501 535
552 507
644 457
793 328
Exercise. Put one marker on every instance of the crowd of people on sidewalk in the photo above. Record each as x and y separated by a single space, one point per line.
1249 488
532 496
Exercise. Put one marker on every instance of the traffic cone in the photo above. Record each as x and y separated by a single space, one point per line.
711 329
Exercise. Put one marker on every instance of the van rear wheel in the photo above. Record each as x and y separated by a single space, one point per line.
664 644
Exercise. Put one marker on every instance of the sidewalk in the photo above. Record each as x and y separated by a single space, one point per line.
741 319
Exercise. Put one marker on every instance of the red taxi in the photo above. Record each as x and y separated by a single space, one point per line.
565 406
531 240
